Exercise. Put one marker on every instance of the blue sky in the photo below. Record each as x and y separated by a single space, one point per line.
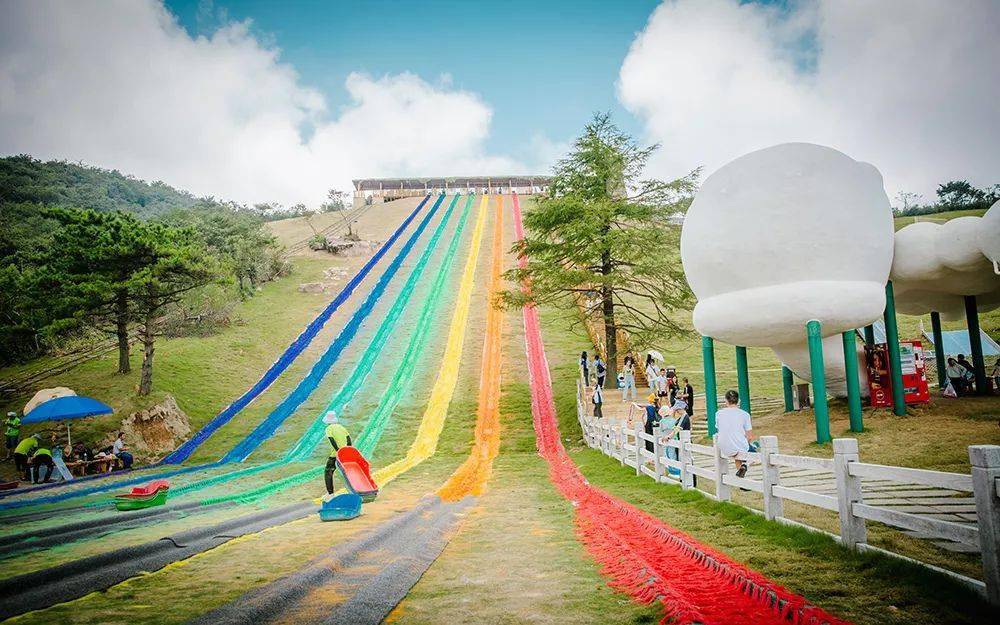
544 67
192 92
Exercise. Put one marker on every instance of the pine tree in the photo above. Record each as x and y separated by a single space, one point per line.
604 233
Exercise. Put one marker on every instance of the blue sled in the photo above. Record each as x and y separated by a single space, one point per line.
341 508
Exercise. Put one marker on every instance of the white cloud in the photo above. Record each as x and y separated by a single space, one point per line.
909 86
120 84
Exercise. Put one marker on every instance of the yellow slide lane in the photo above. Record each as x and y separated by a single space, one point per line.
471 477
432 422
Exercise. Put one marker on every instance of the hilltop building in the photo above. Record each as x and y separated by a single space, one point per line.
369 190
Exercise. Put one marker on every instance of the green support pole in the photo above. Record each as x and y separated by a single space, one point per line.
976 343
869 335
892 340
743 377
711 393
788 385
853 385
819 381
939 356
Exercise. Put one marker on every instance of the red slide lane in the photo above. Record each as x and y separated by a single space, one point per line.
643 556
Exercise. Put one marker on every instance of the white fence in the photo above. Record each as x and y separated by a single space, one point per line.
676 461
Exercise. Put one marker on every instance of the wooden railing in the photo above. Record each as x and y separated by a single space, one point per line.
677 461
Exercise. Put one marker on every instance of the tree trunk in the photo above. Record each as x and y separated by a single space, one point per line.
148 336
610 334
121 331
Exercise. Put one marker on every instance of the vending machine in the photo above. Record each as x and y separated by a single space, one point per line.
912 367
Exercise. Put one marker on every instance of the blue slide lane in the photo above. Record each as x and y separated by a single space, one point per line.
269 426
276 369
183 452
297 396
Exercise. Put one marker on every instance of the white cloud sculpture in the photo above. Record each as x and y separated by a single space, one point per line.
936 265
784 235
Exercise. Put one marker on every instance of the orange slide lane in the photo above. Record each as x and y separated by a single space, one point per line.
471 477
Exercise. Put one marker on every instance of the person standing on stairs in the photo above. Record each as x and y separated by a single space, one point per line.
600 370
338 437
628 373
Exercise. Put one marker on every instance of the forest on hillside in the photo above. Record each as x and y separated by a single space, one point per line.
89 255
24 179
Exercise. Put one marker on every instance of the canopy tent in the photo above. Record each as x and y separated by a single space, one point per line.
957 342
65 408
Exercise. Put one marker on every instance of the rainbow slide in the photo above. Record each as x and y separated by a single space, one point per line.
296 397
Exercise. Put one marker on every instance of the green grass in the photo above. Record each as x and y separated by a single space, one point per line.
865 588
900 222
203 373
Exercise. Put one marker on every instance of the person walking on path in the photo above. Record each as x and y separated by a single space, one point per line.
628 388
338 437
734 432
11 432
651 417
598 400
600 370
585 368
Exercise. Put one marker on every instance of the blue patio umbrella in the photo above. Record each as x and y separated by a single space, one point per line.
63 408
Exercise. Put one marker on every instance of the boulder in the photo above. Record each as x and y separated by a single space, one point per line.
156 430
312 287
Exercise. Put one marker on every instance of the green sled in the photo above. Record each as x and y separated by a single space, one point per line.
138 503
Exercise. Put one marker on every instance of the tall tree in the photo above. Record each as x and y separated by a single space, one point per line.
604 233
177 265
84 275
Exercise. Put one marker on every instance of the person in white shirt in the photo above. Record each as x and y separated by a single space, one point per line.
120 451
734 432
661 385
651 373
598 399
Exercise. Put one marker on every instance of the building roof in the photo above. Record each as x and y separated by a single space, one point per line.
520 180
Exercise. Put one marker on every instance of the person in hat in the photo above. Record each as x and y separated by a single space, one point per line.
23 450
338 437
11 432
668 423
651 416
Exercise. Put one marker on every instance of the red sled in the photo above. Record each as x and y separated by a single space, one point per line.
141 492
357 473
